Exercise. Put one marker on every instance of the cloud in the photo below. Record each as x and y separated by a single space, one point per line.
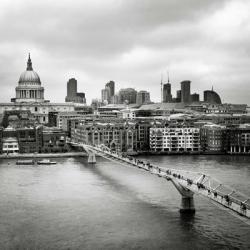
130 42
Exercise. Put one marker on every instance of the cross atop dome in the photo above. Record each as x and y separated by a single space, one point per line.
29 64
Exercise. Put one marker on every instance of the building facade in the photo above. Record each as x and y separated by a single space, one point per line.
40 110
111 87
175 139
213 139
142 97
108 93
212 97
127 95
121 136
178 96
143 135
195 97
239 140
114 99
26 139
167 96
128 113
105 95
185 91
72 94
10 145
53 140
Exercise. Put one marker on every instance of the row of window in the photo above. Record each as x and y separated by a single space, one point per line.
176 149
180 140
177 130
174 135
10 146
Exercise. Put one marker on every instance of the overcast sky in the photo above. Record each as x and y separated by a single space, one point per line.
129 41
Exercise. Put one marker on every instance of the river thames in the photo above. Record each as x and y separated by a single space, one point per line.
73 205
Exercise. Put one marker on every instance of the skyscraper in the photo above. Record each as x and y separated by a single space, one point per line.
108 92
111 86
178 96
195 97
211 96
72 95
142 97
115 99
71 87
185 91
167 96
105 95
127 95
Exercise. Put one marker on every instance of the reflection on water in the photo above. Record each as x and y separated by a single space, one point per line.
73 205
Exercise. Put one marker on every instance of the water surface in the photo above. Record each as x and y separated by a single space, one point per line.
73 205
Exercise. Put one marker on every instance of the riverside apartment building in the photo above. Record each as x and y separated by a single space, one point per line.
175 139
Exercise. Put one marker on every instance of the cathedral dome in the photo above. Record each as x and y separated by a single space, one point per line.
29 76
29 87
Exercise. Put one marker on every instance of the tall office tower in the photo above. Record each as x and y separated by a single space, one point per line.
142 97
127 95
105 95
71 87
72 95
195 97
185 91
178 96
167 96
114 99
111 86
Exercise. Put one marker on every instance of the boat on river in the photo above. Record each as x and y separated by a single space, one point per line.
46 162
25 162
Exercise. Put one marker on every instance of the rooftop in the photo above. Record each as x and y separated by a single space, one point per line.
162 106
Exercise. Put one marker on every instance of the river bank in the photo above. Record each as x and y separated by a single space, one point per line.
43 155
84 154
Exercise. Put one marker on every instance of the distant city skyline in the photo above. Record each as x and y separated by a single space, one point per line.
131 43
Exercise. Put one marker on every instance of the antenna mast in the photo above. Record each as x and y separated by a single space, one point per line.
161 90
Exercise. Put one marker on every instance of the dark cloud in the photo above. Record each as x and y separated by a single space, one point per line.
100 28
131 42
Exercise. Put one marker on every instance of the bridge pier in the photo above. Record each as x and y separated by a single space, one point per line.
91 154
187 205
91 158
187 198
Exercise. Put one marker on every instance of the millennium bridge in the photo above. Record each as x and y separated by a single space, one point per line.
186 182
